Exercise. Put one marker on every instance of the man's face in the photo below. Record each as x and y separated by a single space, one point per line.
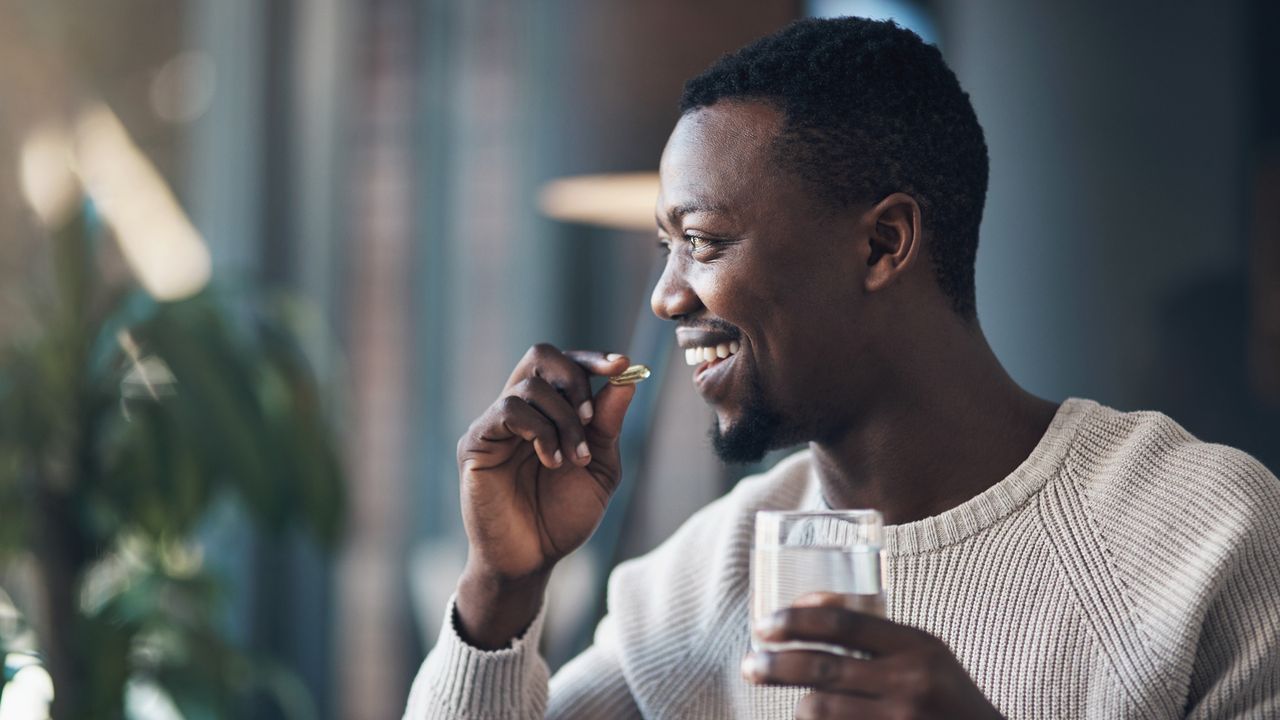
758 264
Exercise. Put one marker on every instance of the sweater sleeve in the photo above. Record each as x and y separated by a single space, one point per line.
458 680
1236 672
592 685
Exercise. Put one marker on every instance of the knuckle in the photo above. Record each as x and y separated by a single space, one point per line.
510 404
529 388
840 622
824 668
541 351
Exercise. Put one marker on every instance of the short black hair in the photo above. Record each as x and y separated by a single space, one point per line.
870 109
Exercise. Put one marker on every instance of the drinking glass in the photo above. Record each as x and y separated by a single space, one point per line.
801 552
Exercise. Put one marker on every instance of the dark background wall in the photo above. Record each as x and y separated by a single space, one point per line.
1126 139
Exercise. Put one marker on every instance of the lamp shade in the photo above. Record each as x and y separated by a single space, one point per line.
621 201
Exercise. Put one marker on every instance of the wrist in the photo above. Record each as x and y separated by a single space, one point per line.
492 611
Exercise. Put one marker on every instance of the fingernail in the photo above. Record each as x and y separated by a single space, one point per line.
585 412
753 666
767 625
583 450
558 457
613 357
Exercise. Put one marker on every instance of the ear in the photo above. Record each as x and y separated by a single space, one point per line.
894 239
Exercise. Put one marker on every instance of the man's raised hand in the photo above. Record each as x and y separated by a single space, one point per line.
537 471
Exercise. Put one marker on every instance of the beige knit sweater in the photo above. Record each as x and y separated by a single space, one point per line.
1124 570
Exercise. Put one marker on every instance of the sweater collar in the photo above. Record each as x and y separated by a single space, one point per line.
986 508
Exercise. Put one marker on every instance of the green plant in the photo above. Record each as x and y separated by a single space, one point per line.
122 420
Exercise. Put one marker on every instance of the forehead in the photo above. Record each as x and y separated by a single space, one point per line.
719 156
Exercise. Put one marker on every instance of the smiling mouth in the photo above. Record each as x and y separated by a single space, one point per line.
711 354
707 358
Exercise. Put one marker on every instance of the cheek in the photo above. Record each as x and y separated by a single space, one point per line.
795 311
755 305
803 335
731 291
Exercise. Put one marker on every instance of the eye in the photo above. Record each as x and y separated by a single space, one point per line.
664 246
699 243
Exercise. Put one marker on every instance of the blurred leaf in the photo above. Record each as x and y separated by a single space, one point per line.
304 441
137 475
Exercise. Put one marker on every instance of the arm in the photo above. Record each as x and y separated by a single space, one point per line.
1236 672
537 471
459 680
592 685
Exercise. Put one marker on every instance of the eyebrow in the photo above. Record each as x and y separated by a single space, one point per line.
679 211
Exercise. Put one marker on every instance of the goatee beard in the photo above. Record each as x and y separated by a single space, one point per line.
756 433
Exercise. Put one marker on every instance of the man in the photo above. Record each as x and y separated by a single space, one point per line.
819 207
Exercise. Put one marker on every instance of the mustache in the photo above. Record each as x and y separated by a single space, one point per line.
714 326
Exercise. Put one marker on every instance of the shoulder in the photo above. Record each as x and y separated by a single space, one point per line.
1145 463
1175 517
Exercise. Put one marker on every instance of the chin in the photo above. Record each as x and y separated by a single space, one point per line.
753 428
747 439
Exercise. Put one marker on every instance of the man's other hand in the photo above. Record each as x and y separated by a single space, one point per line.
907 673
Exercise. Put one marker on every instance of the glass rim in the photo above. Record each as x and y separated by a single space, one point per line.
772 527
850 513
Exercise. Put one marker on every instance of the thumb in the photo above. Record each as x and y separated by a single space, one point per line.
611 405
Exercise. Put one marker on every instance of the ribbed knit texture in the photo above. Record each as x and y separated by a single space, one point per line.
1124 570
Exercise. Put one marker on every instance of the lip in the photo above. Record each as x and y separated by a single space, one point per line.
712 377
689 337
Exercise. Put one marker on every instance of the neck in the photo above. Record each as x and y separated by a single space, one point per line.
952 424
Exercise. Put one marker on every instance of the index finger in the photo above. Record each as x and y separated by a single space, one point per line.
596 363
566 371
599 363
835 626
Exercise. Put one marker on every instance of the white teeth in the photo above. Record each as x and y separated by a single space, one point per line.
698 355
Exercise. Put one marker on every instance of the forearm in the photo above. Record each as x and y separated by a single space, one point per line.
493 611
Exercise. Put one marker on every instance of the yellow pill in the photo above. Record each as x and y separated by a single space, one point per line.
630 376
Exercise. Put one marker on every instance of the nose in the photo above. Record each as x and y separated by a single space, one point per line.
672 296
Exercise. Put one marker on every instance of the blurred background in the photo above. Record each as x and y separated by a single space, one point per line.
262 263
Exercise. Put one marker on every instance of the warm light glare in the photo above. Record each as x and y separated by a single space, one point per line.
163 249
28 695
622 200
45 173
